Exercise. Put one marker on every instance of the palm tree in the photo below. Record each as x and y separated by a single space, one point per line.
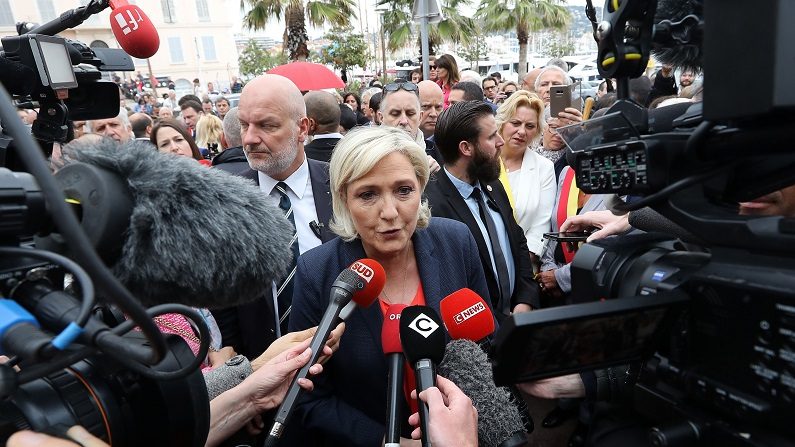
454 27
296 13
523 16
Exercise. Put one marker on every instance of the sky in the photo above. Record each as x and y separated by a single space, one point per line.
368 22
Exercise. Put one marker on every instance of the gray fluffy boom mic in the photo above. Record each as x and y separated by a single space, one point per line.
466 365
194 235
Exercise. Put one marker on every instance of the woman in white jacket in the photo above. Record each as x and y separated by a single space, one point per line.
531 177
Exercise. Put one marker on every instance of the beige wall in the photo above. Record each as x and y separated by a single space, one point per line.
187 29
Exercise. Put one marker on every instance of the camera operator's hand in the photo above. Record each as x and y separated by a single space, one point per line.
453 418
292 339
607 223
32 439
261 391
555 387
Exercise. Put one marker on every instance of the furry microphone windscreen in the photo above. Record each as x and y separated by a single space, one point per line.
683 56
467 366
196 236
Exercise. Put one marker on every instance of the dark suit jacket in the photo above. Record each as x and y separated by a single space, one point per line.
446 201
250 328
321 149
348 404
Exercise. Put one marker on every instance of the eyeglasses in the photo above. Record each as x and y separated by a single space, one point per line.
407 86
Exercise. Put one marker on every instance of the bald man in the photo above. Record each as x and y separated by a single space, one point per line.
529 80
273 129
431 104
324 115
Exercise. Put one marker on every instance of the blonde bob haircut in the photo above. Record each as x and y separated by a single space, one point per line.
355 155
522 98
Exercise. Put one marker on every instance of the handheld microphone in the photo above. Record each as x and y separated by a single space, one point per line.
133 30
178 244
390 341
499 422
361 283
466 315
422 338
503 417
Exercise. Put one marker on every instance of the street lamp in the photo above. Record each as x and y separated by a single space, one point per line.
381 11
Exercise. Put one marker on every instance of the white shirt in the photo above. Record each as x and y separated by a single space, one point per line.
299 190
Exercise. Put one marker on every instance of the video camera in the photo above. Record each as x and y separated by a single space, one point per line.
61 77
80 364
706 312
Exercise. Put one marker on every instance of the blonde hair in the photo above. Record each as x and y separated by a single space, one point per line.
355 155
522 98
209 129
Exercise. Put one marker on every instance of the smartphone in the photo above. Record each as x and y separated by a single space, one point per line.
568 236
559 99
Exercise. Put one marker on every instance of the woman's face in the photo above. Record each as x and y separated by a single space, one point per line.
416 78
442 73
384 205
521 129
509 89
171 141
351 101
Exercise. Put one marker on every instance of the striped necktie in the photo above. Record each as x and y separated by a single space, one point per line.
284 294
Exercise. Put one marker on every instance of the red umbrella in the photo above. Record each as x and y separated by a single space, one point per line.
308 76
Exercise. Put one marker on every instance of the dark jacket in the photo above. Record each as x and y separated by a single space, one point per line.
446 201
250 328
321 149
347 406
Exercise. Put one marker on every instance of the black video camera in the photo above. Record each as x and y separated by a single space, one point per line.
705 310
79 363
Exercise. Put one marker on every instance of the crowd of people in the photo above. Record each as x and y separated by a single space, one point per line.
448 182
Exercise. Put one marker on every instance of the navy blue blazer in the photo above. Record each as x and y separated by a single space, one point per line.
348 404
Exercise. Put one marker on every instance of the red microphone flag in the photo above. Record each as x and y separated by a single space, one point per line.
133 30
466 315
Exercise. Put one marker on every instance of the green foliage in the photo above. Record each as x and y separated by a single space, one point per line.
254 60
400 27
476 50
557 48
345 50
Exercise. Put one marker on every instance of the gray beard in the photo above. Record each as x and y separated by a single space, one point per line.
279 163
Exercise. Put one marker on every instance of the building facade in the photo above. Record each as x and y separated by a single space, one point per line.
196 36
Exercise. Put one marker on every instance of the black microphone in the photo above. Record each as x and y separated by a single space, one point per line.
360 283
422 336
191 235
390 342
499 422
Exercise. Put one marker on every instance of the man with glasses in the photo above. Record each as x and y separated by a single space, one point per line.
489 86
400 107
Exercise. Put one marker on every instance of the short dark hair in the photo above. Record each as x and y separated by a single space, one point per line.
139 122
471 91
489 78
458 123
375 101
191 105
496 75
187 98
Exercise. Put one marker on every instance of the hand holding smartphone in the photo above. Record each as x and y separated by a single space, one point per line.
559 99
568 236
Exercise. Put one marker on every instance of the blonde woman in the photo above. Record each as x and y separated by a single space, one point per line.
520 122
209 130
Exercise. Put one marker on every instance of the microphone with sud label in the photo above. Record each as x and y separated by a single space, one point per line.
422 338
361 283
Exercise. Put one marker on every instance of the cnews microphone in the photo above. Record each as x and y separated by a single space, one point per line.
422 338
390 341
503 417
466 315
133 30
361 282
